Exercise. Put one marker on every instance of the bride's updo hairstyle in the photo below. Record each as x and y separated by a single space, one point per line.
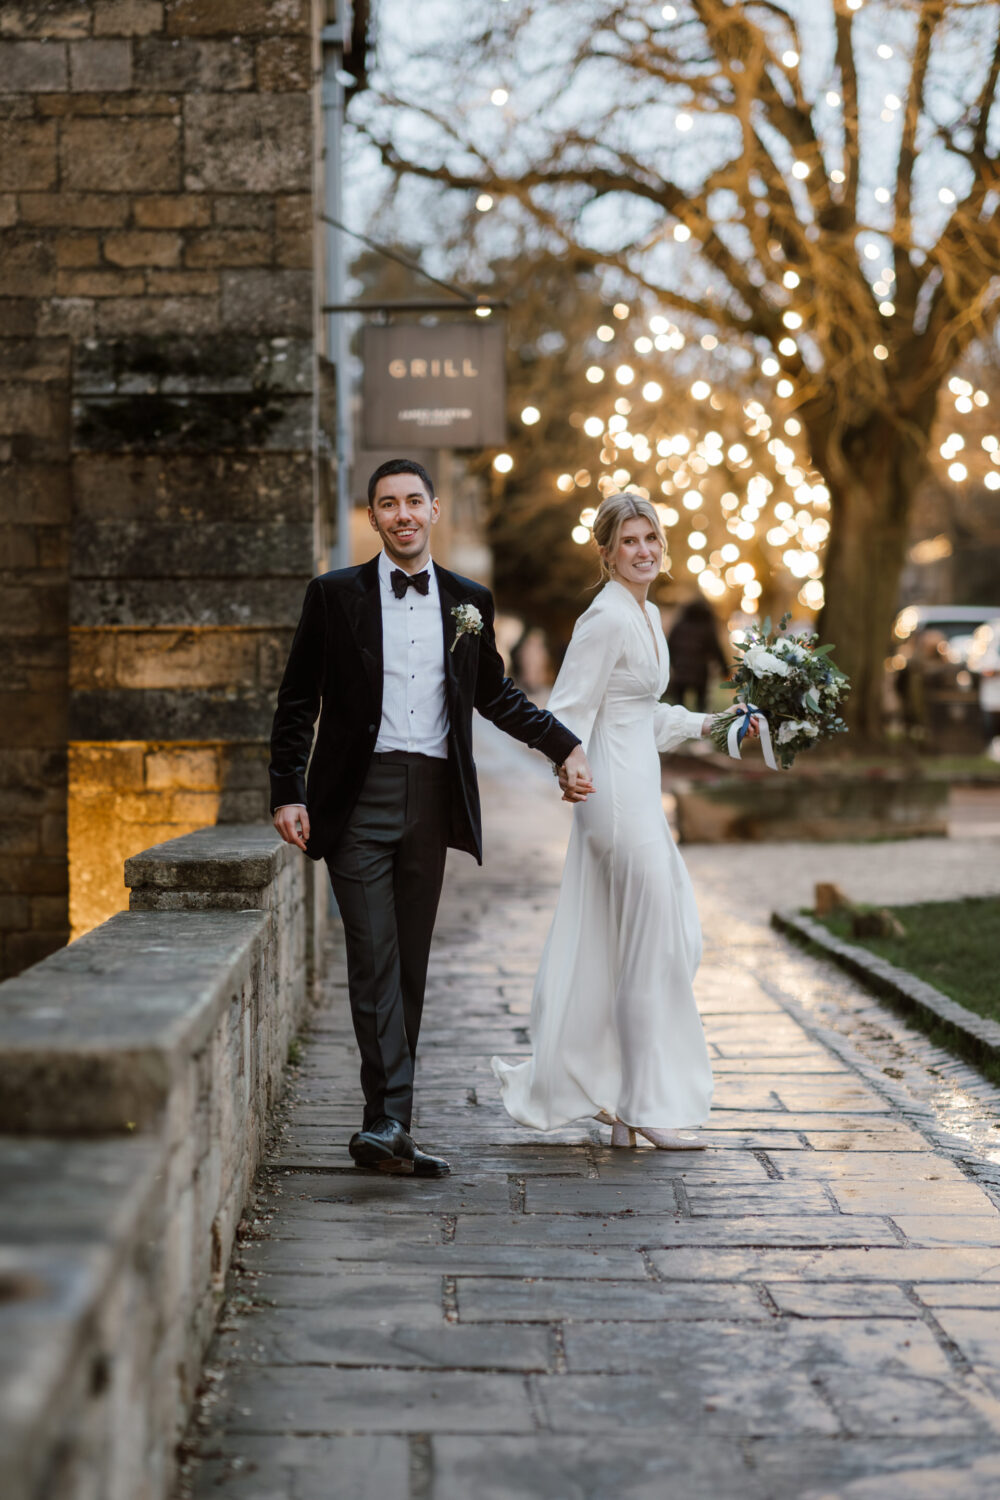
612 513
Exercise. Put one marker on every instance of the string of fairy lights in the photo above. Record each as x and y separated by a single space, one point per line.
772 508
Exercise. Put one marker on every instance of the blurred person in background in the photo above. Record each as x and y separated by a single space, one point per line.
694 651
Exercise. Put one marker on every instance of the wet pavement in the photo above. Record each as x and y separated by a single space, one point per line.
809 1309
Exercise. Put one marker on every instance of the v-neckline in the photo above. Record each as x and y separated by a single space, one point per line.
651 633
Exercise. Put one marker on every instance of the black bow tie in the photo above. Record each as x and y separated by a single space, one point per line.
402 581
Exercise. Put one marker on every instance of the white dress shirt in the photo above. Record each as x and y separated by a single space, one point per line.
414 703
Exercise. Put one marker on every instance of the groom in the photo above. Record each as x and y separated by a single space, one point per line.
393 656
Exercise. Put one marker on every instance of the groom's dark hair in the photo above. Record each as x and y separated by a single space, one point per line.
400 466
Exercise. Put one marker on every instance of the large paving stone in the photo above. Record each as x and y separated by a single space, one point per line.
767 1320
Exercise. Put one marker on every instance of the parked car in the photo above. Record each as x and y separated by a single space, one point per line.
929 682
984 663
956 622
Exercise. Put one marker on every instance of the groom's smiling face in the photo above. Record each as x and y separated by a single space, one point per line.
402 512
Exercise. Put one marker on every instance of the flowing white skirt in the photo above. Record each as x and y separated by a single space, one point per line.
614 1024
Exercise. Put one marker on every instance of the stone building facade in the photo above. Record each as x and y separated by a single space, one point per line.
163 469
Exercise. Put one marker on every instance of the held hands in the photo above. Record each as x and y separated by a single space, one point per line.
575 776
292 823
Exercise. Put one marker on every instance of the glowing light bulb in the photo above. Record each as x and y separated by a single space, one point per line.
790 58
792 319
580 535
651 391
788 347
801 170
684 122
791 280
946 195
503 463
769 366
564 483
595 374
833 98
605 333
880 351
701 390
484 203
530 415
621 310
681 233
499 97
593 427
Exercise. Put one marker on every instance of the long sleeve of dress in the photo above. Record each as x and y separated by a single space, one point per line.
673 725
596 644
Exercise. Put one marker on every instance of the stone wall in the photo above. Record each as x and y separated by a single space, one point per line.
157 455
137 1069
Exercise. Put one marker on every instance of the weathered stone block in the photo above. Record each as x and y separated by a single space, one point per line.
28 876
31 718
32 67
127 17
76 210
143 247
214 714
98 67
22 949
267 301
140 155
114 106
190 65
228 247
154 550
27 157
239 421
45 18
35 492
15 912
46 360
78 250
179 211
35 411
226 17
121 316
18 548
181 487
182 283
258 144
99 283
187 601
284 64
163 659
171 766
294 231
8 210
243 211
68 317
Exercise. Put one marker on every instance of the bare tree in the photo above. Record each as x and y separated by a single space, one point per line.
816 181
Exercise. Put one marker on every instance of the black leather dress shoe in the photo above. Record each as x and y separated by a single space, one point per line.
386 1147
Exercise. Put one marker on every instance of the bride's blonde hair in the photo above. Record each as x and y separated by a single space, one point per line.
612 513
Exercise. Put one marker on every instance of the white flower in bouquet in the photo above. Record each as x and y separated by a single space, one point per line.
792 728
790 650
764 663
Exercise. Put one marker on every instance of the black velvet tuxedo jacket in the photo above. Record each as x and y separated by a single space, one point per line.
335 670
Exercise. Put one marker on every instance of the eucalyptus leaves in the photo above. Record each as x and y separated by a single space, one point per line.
793 683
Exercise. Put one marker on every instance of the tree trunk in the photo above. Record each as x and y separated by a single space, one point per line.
873 475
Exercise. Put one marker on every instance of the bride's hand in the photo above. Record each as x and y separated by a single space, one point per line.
575 777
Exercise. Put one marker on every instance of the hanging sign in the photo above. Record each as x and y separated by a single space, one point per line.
438 387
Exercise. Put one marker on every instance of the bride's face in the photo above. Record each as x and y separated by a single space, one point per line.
639 554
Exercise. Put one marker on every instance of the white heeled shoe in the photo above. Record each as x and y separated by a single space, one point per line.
663 1140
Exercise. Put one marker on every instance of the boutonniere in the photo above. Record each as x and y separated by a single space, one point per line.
468 621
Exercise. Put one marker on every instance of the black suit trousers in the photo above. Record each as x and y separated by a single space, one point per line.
387 868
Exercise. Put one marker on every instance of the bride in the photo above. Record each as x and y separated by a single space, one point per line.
615 1030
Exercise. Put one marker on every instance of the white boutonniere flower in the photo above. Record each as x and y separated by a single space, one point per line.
468 621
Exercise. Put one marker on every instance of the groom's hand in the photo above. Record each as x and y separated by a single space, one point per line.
292 823
575 776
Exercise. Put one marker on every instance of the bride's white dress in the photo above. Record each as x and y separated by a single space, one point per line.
614 1024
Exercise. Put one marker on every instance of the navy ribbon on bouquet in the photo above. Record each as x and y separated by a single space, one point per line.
738 732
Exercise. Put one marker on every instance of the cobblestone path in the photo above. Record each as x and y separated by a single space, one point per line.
809 1309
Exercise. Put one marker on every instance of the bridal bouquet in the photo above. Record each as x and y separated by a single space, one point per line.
794 688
